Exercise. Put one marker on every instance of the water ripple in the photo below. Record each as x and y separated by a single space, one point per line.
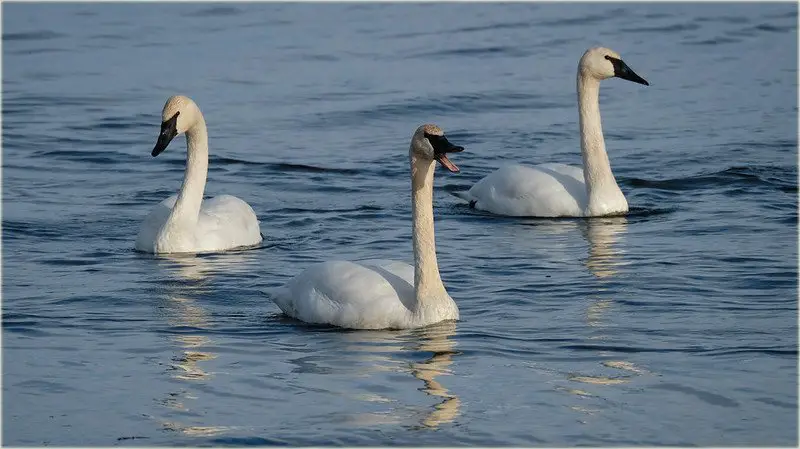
677 319
41 35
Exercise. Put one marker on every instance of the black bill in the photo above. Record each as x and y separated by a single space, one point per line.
621 70
442 146
169 129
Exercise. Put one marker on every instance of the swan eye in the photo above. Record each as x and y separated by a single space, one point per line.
608 58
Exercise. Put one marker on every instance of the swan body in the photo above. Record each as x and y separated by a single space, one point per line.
367 294
186 223
558 190
383 294
548 190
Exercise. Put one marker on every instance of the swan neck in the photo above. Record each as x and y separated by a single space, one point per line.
596 167
190 197
427 281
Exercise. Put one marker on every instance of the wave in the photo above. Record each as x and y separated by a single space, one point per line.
777 177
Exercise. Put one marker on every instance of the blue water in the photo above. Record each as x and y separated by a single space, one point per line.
674 325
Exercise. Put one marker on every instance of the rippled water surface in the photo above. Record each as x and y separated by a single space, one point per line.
675 325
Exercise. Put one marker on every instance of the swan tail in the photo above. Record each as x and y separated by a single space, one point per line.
281 296
464 195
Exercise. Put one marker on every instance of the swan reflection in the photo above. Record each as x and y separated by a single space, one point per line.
604 236
182 310
436 340
543 239
604 260
375 352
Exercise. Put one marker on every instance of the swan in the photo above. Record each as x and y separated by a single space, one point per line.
376 293
186 223
559 190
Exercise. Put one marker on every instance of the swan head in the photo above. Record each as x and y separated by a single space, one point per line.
429 143
603 63
180 113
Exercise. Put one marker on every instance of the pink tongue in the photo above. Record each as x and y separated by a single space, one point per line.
447 164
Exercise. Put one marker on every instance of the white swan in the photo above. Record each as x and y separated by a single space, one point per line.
185 223
558 190
383 294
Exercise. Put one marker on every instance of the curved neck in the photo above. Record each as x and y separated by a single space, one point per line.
190 197
427 282
596 168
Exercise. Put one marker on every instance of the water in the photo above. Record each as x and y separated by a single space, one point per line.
675 325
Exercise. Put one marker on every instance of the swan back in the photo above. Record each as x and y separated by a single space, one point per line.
370 294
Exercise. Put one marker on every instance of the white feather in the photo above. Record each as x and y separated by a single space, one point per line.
380 294
185 223
557 190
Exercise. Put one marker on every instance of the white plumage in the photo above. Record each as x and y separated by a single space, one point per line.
376 293
558 190
223 222
546 190
185 223
368 294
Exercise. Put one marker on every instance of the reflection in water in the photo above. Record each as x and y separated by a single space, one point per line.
559 235
186 364
625 366
604 261
595 312
381 345
603 235
435 339
182 310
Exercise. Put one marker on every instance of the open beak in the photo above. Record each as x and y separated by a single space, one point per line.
441 146
447 163
621 70
168 132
